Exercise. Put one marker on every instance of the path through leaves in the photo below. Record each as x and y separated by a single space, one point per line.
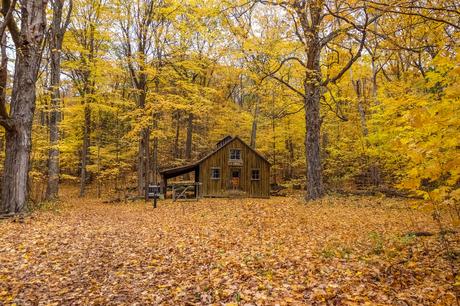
241 251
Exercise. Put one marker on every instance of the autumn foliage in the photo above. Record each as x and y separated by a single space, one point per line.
354 103
348 251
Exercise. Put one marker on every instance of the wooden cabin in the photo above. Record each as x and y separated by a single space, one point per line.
233 167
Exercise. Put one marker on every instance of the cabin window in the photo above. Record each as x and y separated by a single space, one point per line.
215 173
255 174
235 154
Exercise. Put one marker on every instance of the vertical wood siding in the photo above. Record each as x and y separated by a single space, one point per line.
220 159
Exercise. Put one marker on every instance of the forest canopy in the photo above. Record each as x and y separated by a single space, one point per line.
338 95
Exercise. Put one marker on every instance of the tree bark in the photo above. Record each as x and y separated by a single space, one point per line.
85 148
140 165
55 45
291 156
312 144
254 125
176 152
310 22
147 163
143 165
87 92
188 142
18 124
155 150
312 85
16 166
143 171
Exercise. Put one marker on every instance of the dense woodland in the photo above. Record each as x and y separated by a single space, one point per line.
338 95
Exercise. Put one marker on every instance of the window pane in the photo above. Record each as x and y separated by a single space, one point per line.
235 154
255 174
215 173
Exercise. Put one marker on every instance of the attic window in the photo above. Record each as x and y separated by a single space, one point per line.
235 154
215 173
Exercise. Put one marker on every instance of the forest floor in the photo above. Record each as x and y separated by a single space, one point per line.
344 251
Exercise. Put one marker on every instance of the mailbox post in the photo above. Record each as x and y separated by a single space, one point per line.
154 192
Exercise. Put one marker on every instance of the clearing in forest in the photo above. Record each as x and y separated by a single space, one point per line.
218 251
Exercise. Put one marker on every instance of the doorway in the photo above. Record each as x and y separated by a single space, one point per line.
235 178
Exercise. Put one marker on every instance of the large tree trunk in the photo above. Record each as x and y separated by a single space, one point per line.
312 144
18 137
18 124
16 166
312 87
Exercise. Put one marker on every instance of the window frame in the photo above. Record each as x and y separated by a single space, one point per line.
258 174
212 173
230 154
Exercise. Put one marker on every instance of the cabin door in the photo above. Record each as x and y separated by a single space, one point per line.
235 178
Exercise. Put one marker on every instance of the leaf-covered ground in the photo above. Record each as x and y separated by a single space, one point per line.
341 251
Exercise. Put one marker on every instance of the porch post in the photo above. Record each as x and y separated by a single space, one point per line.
164 185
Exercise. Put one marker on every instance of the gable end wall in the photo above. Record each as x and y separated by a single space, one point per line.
220 159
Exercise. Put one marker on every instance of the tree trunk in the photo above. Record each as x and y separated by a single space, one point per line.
140 165
254 125
141 170
147 163
155 151
85 148
188 142
291 156
16 166
155 160
18 124
53 154
55 46
98 163
313 124
18 138
275 166
176 153
312 144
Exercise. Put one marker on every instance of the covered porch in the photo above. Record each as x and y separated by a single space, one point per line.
177 171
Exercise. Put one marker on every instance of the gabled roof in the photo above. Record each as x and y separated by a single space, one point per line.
227 143
224 141
190 167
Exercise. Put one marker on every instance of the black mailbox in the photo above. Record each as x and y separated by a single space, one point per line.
154 191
